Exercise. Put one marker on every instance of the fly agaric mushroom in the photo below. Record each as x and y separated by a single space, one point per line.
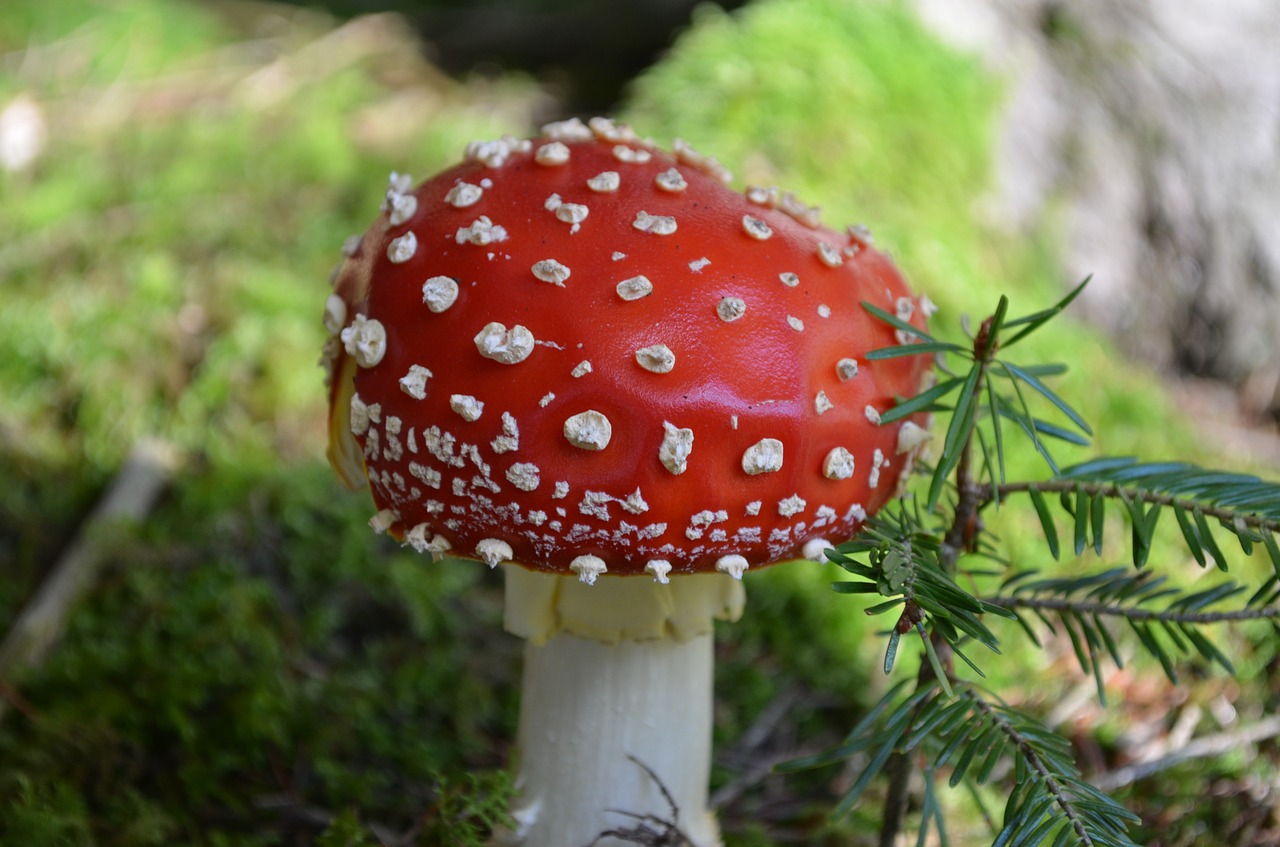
589 360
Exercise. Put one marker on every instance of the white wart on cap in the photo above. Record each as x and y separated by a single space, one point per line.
586 355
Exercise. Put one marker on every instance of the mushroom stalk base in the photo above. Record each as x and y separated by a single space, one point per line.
615 716
593 718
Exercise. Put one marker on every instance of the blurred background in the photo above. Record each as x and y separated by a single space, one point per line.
245 663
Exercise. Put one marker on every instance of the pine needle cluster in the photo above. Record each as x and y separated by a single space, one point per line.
921 559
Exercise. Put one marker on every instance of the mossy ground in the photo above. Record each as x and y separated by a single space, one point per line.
254 666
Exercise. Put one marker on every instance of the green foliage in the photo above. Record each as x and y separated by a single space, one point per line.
1245 507
1082 606
991 390
44 814
252 655
345 831
160 261
908 566
254 662
910 558
971 733
193 697
468 811
854 106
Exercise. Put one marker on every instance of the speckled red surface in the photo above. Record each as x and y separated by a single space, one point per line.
733 384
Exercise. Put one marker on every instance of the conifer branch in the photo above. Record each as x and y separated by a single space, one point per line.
970 735
1038 767
989 493
960 537
907 557
1082 607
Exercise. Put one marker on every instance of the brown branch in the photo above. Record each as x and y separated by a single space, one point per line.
961 537
1204 747
1056 604
988 493
41 623
748 755
669 834
12 696
1036 764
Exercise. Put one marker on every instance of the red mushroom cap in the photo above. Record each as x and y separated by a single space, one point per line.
583 354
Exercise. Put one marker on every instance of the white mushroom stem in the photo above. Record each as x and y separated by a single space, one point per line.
617 698
591 715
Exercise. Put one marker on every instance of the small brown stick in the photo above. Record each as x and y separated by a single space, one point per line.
130 498
987 493
961 537
1203 747
669 835
747 755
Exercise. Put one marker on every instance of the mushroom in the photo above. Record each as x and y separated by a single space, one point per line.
628 405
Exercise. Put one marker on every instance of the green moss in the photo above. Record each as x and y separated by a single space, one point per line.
163 273
268 650
853 106
256 667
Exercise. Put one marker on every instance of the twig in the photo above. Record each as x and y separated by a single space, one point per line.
744 755
1088 607
130 498
1037 765
960 538
769 718
988 494
670 834
758 770
12 696
1201 748
749 755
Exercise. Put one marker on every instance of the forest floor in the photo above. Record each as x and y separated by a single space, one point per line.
244 662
